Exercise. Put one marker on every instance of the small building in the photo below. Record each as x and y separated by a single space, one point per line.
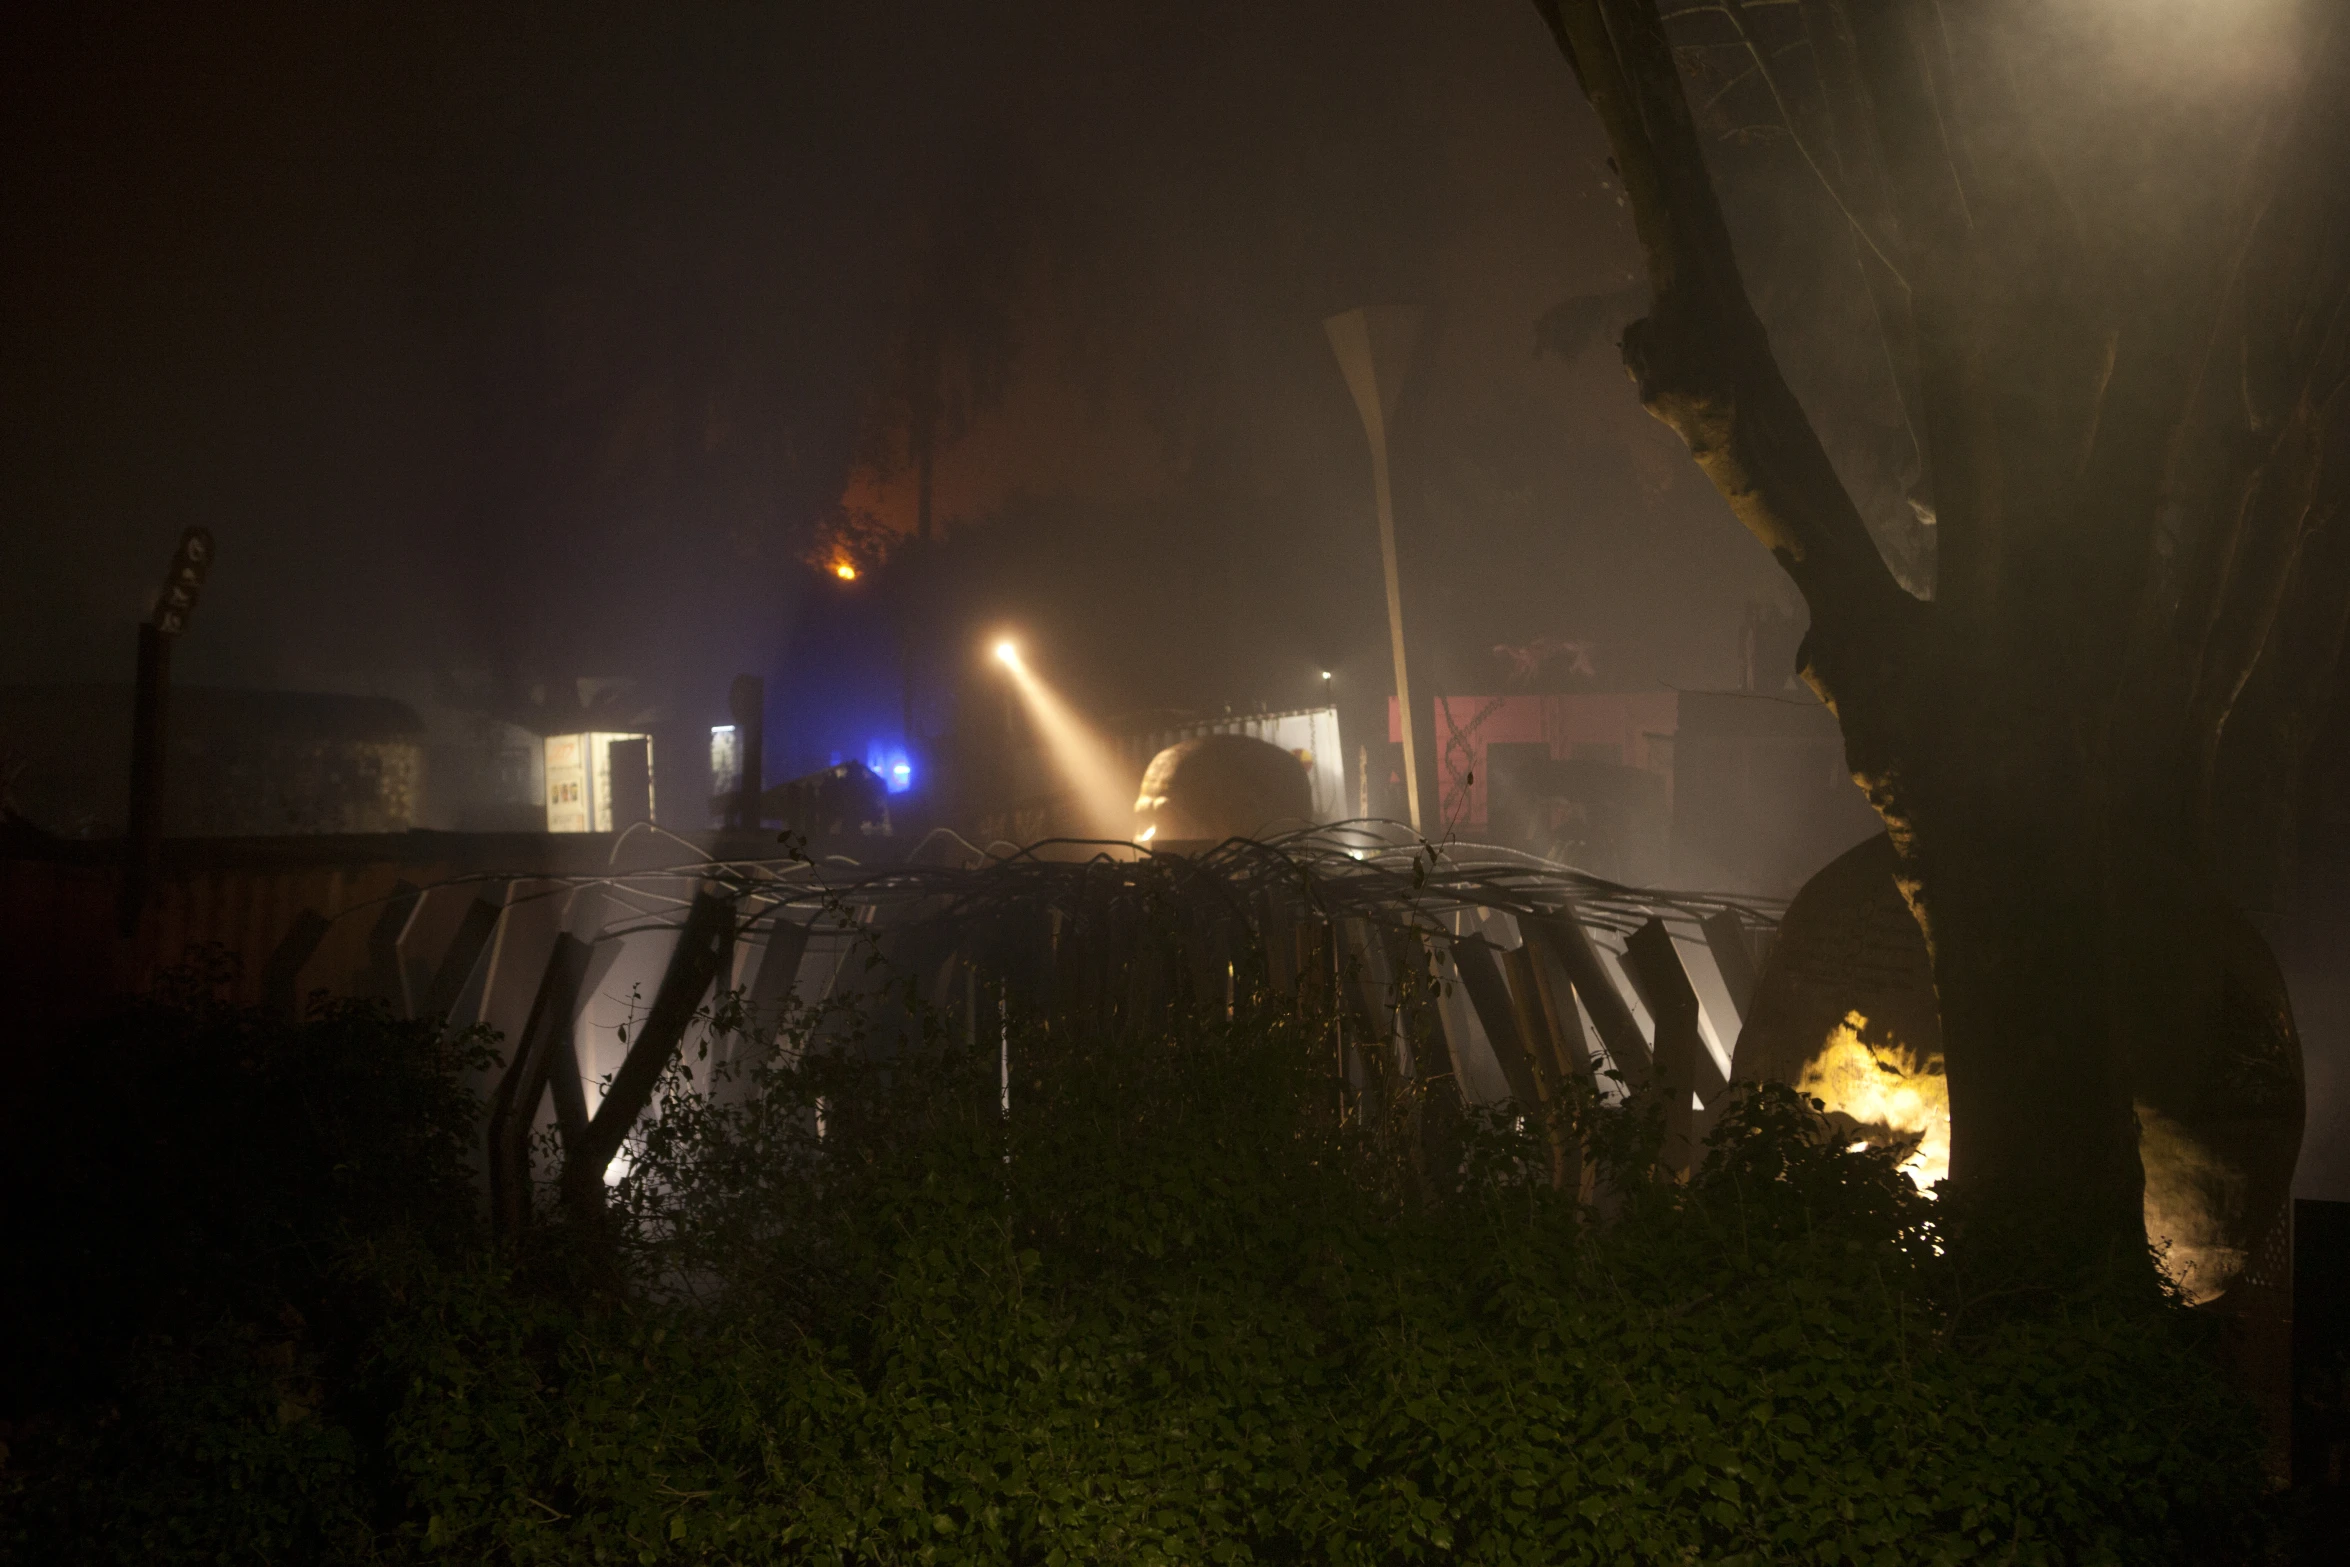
1585 778
237 762
600 781
1733 791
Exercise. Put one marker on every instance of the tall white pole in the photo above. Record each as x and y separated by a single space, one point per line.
1374 348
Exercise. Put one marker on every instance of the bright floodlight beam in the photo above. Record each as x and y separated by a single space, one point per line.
1100 779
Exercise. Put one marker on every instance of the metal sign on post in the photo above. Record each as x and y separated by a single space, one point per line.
143 830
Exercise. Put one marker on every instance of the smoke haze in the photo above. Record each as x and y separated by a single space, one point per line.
508 347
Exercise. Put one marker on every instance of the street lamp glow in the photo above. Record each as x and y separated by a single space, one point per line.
1007 653
845 570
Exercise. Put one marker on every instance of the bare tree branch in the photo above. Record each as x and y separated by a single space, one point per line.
1925 190
1729 87
1860 163
1736 11
2281 557
2270 567
1701 359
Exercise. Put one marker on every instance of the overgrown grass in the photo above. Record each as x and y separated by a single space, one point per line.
1177 1306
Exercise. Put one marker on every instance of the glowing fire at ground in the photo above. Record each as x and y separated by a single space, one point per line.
2191 1199
1894 1096
1892 1093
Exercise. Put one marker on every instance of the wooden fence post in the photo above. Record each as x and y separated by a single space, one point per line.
143 833
281 976
464 951
1489 998
1554 1066
383 945
1561 935
1726 939
543 1053
1672 1002
150 705
687 980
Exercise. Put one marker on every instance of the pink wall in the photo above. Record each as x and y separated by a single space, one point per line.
1639 726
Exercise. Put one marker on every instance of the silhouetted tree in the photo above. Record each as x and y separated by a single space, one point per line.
2110 254
957 338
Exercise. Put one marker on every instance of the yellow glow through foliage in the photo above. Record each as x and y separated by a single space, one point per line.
845 570
2190 1194
1890 1092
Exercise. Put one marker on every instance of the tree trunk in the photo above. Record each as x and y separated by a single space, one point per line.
2125 411
2122 1063
2005 861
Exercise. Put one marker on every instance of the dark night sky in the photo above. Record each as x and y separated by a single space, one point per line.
536 344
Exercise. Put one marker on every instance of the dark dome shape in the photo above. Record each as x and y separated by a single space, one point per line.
1221 786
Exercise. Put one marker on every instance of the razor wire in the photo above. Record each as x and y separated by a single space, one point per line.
1368 869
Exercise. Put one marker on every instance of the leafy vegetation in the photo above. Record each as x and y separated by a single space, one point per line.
206 1212
1186 1302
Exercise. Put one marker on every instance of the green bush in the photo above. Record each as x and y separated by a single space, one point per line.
208 1449
1186 1304
202 1216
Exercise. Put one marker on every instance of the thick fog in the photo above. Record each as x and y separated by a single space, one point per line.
508 349
517 348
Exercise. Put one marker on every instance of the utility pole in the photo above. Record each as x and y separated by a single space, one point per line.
1374 347
910 584
143 830
746 701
